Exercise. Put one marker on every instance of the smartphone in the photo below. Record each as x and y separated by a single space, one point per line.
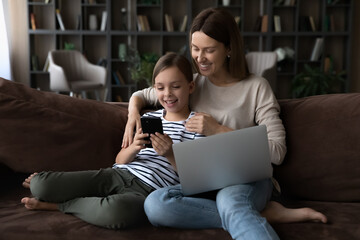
151 125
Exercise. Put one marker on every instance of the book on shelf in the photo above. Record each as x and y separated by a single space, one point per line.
333 2
102 62
277 23
169 24
143 23
284 2
257 26
289 2
118 98
35 62
317 49
264 23
147 24
312 23
59 18
237 20
304 24
33 21
117 81
103 21
121 79
46 65
139 23
326 23
332 23
78 22
278 2
183 24
328 64
329 23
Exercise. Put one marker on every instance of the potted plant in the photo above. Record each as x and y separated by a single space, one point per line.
313 81
141 67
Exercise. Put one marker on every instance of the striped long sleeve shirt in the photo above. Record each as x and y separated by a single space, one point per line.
154 170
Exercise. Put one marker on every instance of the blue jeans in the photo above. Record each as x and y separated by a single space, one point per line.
236 209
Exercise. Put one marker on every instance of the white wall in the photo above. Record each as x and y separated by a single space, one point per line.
5 69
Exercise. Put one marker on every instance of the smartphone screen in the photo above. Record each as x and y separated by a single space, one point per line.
151 125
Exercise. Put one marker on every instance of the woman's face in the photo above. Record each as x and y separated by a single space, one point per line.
173 89
209 54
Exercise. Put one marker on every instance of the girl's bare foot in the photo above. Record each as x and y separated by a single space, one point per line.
26 183
274 212
34 204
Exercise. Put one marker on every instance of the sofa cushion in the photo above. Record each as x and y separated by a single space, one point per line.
48 131
323 139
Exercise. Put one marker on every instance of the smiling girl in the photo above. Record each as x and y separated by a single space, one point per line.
114 197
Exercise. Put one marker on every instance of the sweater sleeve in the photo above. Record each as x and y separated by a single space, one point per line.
148 95
267 113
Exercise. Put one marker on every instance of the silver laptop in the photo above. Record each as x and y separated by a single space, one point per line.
223 160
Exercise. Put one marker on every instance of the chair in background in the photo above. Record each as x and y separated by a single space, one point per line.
71 72
263 64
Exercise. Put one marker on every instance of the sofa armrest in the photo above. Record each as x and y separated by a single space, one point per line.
47 131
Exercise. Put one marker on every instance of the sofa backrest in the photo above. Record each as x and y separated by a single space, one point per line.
47 131
323 142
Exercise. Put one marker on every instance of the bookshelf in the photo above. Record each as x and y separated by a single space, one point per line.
332 21
336 40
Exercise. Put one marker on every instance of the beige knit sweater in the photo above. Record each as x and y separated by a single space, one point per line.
247 103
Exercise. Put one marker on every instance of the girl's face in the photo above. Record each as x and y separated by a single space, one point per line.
209 54
173 90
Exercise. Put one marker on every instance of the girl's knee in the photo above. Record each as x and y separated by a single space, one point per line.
122 214
40 187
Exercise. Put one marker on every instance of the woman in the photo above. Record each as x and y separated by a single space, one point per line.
226 97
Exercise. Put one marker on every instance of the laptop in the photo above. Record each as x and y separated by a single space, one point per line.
222 160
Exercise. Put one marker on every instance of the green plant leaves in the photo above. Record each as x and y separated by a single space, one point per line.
142 67
313 81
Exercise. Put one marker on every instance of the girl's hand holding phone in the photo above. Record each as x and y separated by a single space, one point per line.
139 140
162 144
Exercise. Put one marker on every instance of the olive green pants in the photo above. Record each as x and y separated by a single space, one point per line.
111 198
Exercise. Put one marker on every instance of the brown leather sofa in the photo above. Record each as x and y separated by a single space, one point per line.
45 131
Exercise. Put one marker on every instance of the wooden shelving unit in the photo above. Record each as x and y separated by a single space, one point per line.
122 29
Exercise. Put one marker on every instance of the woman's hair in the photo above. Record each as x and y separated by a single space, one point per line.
220 25
173 60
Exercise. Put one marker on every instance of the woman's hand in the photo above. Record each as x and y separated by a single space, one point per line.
162 144
205 124
133 123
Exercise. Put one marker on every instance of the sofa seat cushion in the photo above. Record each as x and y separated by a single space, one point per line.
344 219
343 222
48 131
18 223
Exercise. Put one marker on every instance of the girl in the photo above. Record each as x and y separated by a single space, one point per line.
114 197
